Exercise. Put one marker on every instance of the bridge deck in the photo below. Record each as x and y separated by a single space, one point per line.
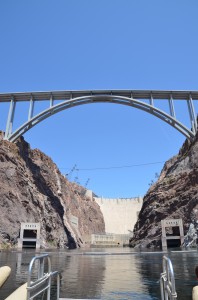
66 95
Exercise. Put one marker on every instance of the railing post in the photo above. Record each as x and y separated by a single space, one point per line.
167 281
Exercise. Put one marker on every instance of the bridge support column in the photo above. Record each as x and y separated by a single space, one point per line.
151 100
51 101
192 114
171 106
10 119
31 109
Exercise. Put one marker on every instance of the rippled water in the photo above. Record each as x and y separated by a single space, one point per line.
119 273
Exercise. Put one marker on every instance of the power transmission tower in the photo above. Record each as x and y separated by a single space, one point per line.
69 174
86 183
76 178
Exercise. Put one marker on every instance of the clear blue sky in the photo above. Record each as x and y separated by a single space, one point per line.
101 44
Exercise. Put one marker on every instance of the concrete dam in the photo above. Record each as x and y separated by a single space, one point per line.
121 214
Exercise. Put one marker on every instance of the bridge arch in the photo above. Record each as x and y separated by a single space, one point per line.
99 98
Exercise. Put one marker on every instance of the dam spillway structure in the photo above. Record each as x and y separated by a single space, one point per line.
29 236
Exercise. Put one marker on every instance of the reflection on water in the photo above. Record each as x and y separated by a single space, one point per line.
82 276
108 274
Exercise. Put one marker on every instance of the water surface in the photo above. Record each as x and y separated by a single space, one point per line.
108 273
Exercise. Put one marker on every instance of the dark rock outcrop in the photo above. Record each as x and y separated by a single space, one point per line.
32 189
174 195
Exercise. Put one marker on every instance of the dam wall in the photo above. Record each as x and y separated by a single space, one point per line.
120 215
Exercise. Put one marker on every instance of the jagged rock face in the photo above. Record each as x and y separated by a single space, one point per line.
174 195
32 189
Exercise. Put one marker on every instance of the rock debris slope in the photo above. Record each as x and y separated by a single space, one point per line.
174 195
32 189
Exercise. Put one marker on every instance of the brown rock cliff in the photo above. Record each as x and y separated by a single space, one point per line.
32 189
174 195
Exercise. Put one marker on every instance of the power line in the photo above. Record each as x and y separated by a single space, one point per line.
118 167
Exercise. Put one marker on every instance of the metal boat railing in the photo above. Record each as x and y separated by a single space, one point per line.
167 281
44 276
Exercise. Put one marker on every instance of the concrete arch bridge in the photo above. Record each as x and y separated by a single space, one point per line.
140 99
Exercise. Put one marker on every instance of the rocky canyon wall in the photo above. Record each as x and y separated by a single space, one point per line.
32 189
174 195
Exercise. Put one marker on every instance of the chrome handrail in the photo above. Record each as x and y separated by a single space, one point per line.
43 281
167 281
